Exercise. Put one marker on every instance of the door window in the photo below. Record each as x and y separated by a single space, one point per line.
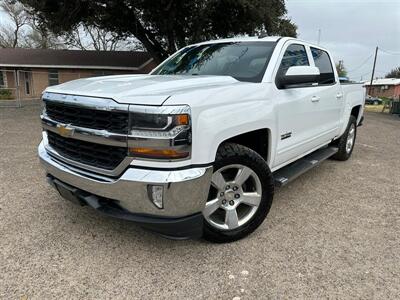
295 55
27 82
323 62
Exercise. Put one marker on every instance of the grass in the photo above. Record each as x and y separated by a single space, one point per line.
375 108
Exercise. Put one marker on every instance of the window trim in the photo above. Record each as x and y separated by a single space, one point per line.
332 64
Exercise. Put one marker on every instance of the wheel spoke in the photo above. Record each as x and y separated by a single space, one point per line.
252 199
231 219
242 175
218 181
211 207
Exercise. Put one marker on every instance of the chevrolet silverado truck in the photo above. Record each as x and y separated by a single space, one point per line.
196 147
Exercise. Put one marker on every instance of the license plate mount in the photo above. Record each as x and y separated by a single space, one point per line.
67 192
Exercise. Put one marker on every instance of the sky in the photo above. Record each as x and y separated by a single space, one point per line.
351 29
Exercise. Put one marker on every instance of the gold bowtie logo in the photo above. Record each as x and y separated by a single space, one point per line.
65 131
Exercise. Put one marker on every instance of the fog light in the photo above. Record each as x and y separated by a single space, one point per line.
156 195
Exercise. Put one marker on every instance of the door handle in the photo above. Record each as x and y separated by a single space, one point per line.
339 96
315 99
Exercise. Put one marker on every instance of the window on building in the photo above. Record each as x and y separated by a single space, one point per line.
2 79
53 77
295 55
323 62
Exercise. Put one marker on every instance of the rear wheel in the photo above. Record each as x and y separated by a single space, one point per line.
240 195
346 142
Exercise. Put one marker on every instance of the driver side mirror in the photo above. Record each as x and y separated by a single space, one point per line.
299 75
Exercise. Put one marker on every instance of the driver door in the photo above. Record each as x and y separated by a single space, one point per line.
298 108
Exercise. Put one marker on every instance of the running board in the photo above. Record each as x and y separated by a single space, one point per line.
295 169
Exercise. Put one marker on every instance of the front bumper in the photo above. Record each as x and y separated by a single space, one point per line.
185 192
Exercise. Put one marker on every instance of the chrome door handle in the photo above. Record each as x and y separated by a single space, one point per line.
339 96
315 99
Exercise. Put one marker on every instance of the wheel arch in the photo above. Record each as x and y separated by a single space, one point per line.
258 140
355 111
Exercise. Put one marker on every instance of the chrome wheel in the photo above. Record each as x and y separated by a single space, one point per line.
350 138
234 197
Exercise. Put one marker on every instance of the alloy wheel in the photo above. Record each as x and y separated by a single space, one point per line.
234 197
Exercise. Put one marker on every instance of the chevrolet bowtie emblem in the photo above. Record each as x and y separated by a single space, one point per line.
65 130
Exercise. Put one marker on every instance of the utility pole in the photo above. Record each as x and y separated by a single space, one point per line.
373 71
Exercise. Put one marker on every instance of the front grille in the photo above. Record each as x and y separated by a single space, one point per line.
96 155
111 121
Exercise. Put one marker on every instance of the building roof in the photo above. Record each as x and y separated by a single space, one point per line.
46 58
384 81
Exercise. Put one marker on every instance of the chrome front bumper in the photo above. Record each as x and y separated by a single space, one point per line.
185 191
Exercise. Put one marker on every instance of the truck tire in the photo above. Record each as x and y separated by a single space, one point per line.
346 142
240 195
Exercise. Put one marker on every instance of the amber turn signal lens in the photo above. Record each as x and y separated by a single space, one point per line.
156 153
182 119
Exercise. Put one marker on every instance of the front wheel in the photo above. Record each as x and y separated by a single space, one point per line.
240 195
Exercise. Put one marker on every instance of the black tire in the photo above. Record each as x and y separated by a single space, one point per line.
343 154
230 154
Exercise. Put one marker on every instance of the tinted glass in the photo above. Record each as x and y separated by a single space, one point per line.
295 55
245 61
323 62
2 81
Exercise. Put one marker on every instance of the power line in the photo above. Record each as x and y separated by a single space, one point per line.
389 52
368 58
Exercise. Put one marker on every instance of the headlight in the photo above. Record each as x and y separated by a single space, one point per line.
159 132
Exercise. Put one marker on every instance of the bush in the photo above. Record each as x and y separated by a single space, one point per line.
5 95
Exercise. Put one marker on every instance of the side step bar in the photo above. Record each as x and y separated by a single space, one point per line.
295 169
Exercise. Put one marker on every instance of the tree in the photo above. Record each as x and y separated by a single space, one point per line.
11 33
163 26
395 73
341 69
88 37
22 30
40 37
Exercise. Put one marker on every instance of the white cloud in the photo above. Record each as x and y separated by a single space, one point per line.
351 30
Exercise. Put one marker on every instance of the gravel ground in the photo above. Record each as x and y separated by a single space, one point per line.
334 232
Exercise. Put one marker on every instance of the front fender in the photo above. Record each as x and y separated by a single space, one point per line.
219 123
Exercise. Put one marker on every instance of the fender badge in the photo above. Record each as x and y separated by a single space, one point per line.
65 130
286 135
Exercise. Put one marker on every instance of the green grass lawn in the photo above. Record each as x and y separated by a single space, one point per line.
375 108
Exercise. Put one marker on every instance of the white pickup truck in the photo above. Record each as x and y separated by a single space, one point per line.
196 147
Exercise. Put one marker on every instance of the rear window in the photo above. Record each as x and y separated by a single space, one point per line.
323 62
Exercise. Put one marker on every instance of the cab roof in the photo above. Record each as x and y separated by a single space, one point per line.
244 39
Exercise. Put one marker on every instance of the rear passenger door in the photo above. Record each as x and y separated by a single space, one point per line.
329 93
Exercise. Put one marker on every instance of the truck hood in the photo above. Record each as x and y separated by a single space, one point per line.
139 89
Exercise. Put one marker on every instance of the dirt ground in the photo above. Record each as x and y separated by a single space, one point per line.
332 233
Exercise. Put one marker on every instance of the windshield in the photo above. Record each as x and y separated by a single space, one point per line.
245 61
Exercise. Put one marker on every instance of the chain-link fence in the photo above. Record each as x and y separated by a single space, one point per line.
22 87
